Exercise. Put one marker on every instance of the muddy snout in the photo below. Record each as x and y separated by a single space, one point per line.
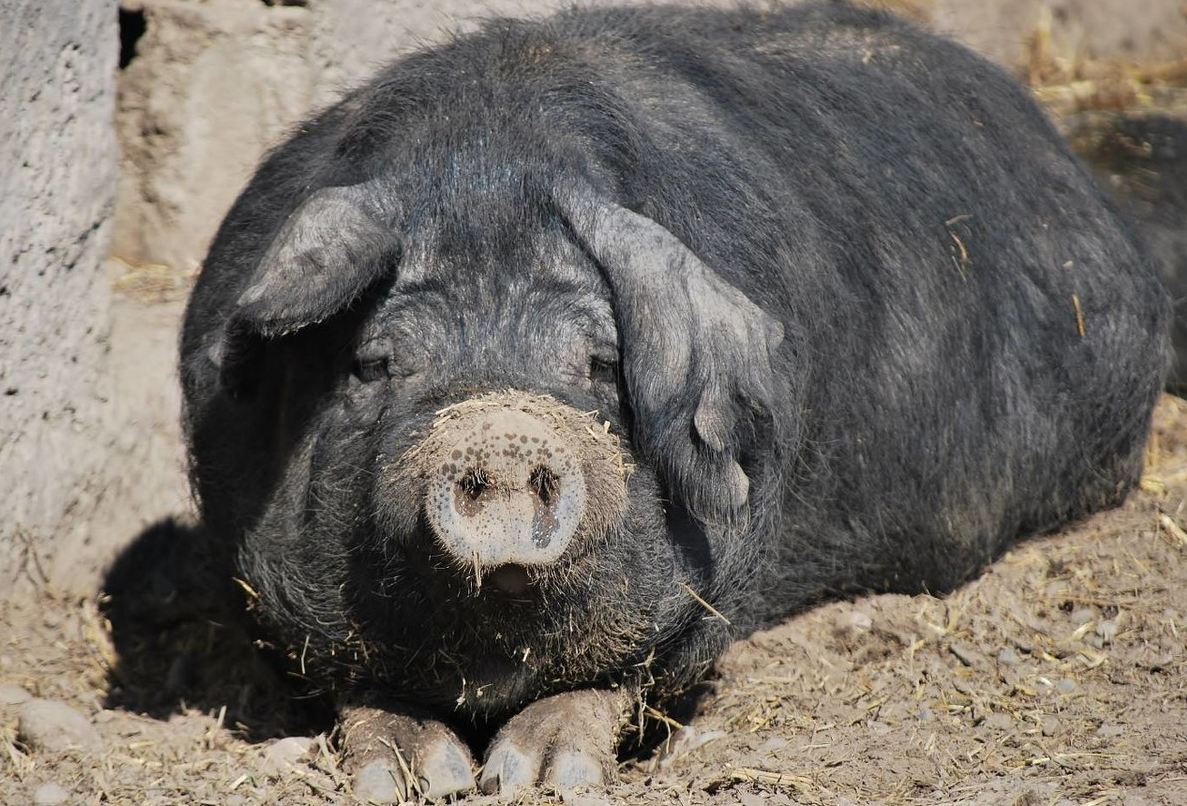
510 492
509 481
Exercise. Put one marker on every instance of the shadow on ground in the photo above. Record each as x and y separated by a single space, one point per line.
182 641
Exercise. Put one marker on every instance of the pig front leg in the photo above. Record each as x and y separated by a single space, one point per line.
393 756
562 741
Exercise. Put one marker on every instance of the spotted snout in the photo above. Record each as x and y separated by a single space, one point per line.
509 481
510 492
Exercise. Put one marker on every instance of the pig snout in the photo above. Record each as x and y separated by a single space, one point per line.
509 492
508 482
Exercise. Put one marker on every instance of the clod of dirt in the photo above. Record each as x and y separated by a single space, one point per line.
1106 631
55 726
854 620
13 695
50 795
287 754
966 655
1066 686
1008 657
999 722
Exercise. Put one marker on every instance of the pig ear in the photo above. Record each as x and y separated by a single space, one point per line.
697 356
329 251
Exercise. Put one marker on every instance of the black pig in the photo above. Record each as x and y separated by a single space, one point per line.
531 373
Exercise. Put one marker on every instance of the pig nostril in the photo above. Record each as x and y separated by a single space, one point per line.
544 484
474 483
505 490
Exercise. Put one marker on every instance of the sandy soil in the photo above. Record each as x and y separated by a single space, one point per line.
1059 676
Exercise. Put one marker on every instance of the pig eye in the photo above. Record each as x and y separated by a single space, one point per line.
370 371
372 362
603 369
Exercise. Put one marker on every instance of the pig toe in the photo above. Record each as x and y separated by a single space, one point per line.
445 769
564 741
394 756
574 768
379 781
508 768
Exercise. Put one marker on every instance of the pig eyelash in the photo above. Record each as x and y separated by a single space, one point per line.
603 370
370 370
372 362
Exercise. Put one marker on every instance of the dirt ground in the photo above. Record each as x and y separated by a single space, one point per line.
1059 676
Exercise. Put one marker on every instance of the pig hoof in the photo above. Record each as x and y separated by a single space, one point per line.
508 767
564 742
379 782
394 757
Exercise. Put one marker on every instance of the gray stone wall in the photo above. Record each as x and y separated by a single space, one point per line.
215 82
57 180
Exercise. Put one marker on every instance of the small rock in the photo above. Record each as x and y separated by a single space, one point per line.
1109 731
50 795
13 695
855 620
55 726
1008 657
878 727
1107 630
1021 644
1067 686
286 754
964 654
751 799
1083 615
999 721
1050 726
926 715
1156 662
